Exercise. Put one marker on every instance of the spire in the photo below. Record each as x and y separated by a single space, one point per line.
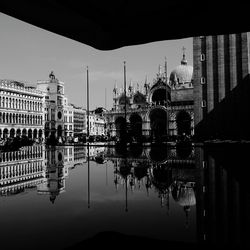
166 67
115 89
130 88
159 70
184 60
166 71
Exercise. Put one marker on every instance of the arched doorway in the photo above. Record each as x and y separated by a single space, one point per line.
24 133
183 121
18 132
30 134
158 123
12 133
40 133
160 96
5 133
35 133
59 131
120 125
136 126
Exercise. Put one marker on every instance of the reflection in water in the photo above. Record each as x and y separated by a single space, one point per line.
183 180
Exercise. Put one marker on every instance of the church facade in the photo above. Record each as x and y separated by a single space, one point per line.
160 110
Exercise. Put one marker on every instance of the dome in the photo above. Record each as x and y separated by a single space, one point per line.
183 73
139 98
122 99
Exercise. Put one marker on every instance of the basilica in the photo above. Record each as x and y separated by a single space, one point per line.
160 110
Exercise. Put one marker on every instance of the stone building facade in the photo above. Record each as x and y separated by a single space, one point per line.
21 110
161 109
221 85
55 104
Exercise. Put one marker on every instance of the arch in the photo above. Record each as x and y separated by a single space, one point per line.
183 121
40 133
35 133
158 123
160 96
30 134
12 133
135 126
24 132
120 125
18 132
158 154
5 133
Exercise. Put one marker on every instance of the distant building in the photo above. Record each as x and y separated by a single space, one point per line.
92 130
69 126
21 110
79 119
100 125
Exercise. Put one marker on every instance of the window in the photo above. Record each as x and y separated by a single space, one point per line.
203 104
202 57
203 80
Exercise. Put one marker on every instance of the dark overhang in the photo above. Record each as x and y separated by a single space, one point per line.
111 24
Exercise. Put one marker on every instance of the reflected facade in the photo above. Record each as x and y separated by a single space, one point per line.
197 189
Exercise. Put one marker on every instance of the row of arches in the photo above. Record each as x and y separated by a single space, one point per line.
16 103
31 134
20 118
158 124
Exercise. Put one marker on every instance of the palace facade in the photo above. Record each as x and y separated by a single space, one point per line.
21 110
161 109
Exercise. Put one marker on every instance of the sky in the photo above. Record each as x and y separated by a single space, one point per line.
29 54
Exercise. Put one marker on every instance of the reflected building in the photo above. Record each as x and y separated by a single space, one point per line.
171 177
55 173
163 108
21 170
223 201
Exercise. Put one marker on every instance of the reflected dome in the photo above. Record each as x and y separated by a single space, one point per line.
183 194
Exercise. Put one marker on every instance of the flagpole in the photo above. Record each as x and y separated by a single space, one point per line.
125 92
87 103
166 80
88 136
